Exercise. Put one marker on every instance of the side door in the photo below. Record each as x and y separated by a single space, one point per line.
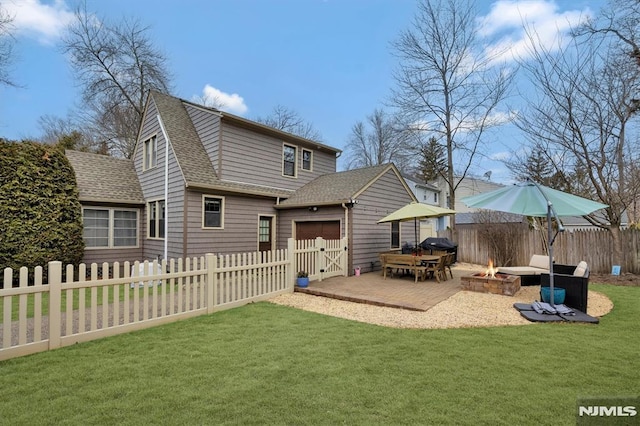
265 233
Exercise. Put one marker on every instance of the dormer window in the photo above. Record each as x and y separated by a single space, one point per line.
289 160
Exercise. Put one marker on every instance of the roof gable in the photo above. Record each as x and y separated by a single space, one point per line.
187 146
340 187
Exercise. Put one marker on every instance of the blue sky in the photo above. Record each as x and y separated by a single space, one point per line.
329 60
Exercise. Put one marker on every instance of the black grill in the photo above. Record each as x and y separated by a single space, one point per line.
441 244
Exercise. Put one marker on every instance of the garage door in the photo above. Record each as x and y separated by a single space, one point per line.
329 230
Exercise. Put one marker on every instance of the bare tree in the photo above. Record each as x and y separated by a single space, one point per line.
6 47
379 140
581 117
288 120
500 233
446 85
116 65
620 20
210 101
69 134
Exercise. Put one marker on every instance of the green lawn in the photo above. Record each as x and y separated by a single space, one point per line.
270 364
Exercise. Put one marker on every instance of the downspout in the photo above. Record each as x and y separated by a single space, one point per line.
346 230
166 187
346 219
349 235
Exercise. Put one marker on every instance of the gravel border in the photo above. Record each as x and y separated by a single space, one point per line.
463 309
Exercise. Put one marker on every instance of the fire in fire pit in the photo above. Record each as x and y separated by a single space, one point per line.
491 282
491 271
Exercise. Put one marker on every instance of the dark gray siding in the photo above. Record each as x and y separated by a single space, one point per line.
288 218
207 126
369 238
240 233
152 183
255 158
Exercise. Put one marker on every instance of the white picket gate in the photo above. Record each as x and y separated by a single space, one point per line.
320 258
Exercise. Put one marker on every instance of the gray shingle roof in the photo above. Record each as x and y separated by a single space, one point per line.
335 188
190 153
105 179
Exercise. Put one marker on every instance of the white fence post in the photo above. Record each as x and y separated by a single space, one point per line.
211 281
321 261
292 265
345 257
55 298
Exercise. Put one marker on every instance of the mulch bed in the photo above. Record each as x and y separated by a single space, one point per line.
629 280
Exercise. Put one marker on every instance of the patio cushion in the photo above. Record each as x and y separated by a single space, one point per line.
522 270
581 269
539 261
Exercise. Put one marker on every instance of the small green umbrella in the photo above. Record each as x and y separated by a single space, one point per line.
533 199
414 211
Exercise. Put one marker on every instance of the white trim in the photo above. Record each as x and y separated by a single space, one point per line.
222 208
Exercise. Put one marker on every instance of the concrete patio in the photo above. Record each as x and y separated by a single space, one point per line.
398 292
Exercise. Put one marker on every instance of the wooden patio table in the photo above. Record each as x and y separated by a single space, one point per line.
408 262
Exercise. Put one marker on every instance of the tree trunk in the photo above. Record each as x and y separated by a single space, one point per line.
616 239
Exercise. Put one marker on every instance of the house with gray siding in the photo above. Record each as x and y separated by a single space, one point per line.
202 180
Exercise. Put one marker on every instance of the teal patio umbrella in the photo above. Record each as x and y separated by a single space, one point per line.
415 211
532 199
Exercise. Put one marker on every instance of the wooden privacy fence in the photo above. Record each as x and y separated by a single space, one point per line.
595 246
79 304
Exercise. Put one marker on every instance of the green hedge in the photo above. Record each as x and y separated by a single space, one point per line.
40 214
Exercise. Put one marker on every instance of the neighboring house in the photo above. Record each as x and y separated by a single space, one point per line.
202 180
467 187
428 194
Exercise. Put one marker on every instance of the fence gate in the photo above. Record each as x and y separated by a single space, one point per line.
320 258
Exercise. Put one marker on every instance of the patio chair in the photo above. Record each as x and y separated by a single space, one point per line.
449 260
436 269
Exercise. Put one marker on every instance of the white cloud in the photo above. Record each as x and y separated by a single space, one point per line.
45 22
507 19
501 156
216 98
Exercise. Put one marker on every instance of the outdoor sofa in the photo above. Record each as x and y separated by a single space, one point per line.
530 274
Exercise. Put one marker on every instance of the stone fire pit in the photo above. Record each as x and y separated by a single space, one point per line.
507 285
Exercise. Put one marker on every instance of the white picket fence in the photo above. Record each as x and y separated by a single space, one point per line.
78 305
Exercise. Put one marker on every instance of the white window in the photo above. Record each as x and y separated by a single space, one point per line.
110 228
307 159
155 219
212 212
289 160
435 198
150 153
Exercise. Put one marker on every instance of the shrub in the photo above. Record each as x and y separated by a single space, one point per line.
40 213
